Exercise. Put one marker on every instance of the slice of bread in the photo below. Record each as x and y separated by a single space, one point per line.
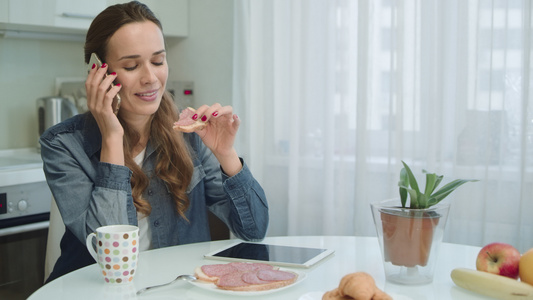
198 125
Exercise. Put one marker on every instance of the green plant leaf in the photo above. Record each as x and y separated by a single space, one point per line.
432 201
422 201
403 196
448 188
409 186
403 184
437 182
431 179
431 184
413 196
412 179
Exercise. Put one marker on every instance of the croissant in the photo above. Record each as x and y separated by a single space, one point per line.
357 286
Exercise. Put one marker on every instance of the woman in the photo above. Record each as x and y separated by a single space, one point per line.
132 167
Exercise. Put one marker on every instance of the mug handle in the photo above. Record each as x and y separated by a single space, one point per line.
89 243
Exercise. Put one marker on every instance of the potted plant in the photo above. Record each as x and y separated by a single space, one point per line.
409 233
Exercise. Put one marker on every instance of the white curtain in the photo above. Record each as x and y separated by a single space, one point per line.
334 94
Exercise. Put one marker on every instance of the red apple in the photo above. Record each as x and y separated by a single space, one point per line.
500 259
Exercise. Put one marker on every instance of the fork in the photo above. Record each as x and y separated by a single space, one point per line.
181 277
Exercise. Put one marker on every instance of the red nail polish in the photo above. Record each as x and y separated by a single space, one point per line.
118 84
114 73
94 66
195 117
215 114
104 65
204 118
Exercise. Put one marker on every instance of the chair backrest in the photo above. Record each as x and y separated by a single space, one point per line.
55 233
218 229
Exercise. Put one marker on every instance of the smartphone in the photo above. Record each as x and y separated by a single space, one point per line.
96 60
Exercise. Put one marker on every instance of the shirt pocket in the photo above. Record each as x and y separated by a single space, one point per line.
197 176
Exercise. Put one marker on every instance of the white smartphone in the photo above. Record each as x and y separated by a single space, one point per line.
96 60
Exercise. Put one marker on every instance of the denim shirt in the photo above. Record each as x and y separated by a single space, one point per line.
90 193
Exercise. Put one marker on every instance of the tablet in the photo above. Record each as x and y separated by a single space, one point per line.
289 256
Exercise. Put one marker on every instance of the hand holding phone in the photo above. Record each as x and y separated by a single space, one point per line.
96 61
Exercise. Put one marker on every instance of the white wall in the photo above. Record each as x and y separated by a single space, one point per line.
205 57
28 68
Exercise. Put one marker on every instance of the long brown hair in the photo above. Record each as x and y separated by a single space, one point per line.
174 163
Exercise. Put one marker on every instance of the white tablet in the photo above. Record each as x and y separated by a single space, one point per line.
289 256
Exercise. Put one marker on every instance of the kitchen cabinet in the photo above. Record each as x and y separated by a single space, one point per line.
73 17
57 13
173 14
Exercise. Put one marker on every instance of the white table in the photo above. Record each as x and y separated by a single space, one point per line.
352 254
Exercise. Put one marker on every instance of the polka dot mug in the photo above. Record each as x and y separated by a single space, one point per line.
117 252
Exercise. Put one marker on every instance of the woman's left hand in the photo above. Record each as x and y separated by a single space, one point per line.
219 134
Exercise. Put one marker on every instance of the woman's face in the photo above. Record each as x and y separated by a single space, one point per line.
136 52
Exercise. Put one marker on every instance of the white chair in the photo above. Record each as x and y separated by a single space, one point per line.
55 233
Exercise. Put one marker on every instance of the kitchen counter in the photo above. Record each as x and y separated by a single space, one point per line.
20 166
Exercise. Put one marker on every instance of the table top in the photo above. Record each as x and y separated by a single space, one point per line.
352 254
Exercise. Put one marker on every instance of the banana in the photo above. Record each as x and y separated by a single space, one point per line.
496 286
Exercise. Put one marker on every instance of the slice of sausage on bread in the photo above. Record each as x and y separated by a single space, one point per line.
239 282
185 122
216 271
245 276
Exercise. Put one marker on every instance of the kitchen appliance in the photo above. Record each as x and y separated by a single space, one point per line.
73 88
183 93
25 201
52 110
23 204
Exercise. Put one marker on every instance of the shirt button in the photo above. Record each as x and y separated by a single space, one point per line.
156 223
150 193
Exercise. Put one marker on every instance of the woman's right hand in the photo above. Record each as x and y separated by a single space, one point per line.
100 98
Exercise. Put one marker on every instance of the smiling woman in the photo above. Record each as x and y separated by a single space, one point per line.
132 167
136 53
